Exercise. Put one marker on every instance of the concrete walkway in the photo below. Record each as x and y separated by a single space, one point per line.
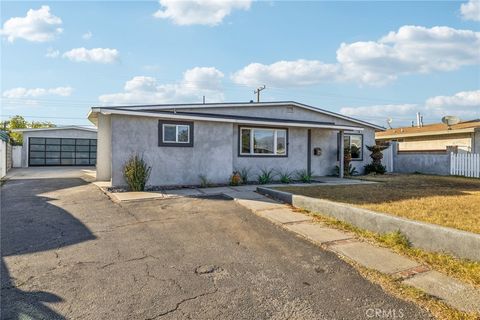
227 190
459 295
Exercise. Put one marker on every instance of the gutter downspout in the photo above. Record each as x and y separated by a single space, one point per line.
341 155
309 151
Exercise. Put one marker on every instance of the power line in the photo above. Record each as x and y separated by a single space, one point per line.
310 91
42 117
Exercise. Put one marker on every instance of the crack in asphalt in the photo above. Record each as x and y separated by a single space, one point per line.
143 257
178 304
132 224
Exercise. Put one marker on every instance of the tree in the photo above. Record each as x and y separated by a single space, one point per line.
19 122
377 156
16 122
41 124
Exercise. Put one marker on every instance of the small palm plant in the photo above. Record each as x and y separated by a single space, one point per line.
285 176
204 182
136 173
266 176
244 174
304 176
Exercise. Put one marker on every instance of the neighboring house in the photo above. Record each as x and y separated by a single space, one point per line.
464 136
183 141
59 146
5 153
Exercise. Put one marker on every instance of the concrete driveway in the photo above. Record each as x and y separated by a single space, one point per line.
68 252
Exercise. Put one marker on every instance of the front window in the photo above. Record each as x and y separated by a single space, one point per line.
355 142
263 141
175 134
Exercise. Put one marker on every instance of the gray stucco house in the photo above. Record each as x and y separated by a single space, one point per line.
183 141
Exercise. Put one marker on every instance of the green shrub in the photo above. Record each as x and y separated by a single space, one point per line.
204 182
244 173
347 171
285 176
375 168
136 173
266 176
304 175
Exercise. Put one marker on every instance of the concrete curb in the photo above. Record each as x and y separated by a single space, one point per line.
422 235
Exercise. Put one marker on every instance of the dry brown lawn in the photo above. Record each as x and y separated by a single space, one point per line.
448 201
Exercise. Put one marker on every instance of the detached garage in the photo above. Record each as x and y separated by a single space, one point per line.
59 146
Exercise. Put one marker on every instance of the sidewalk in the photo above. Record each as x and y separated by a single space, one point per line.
459 295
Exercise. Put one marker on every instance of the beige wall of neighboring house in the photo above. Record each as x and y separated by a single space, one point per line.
435 143
435 137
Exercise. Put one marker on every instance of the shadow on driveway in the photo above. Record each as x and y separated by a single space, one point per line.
29 224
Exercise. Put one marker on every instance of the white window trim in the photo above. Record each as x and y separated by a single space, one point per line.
176 132
252 146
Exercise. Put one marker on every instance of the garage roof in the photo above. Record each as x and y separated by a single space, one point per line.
57 128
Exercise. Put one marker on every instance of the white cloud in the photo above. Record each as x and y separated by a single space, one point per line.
99 55
203 78
460 99
196 82
286 73
202 12
37 26
87 36
465 104
20 92
52 53
388 110
471 10
410 50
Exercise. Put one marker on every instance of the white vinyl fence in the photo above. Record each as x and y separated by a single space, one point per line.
465 164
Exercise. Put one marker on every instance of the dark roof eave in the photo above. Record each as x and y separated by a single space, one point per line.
237 117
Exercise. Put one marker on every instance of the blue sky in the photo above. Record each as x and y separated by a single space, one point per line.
397 58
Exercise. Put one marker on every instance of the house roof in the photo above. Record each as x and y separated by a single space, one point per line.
56 128
429 130
160 107
246 120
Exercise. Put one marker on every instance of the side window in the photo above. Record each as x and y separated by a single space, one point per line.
175 134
